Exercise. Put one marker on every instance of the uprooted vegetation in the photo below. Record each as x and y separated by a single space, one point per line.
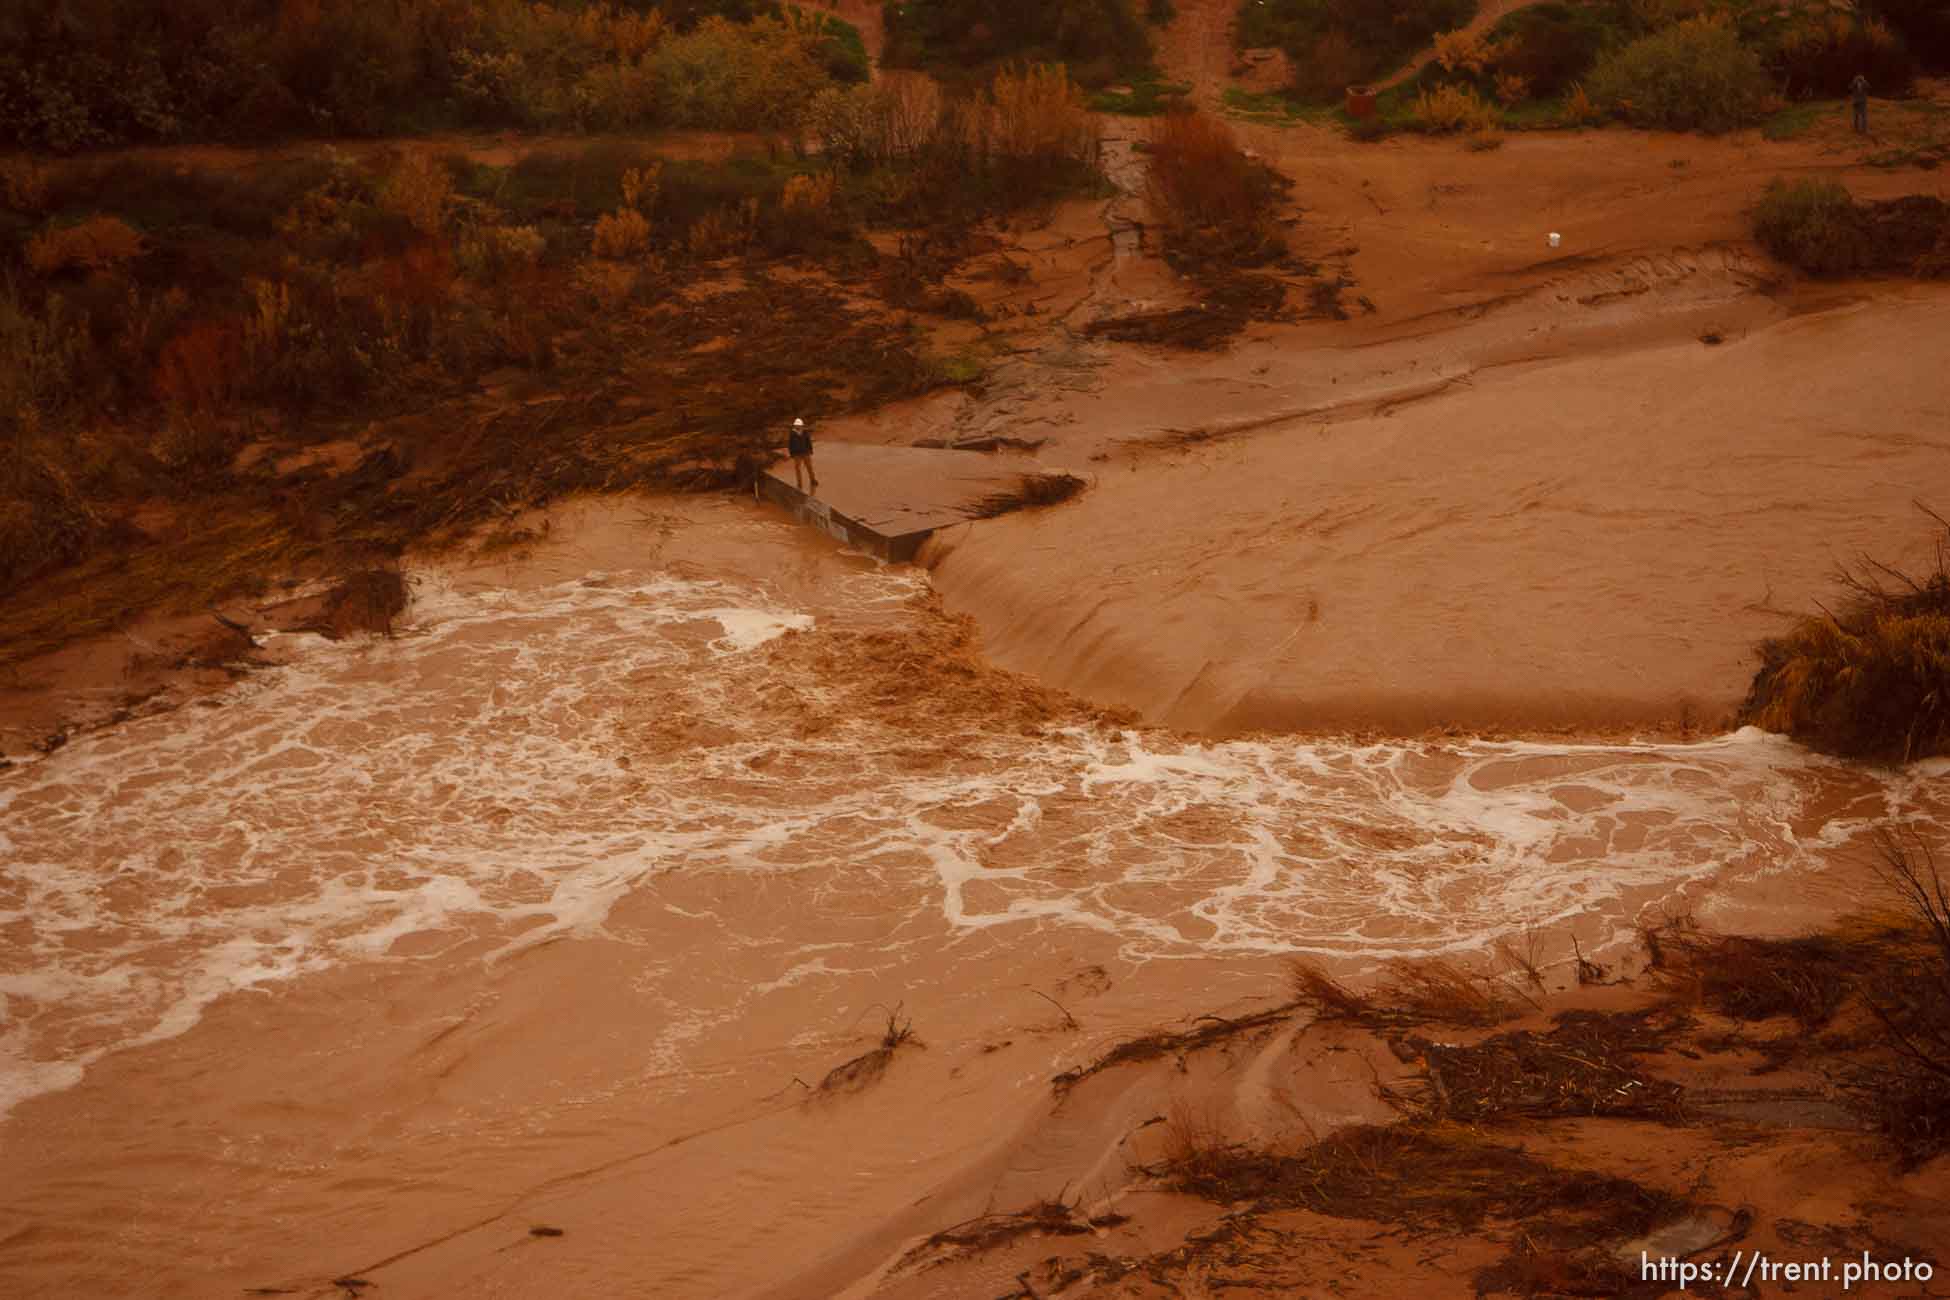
1870 999
1871 678
1586 1064
1819 227
1031 492
216 378
866 1068
1151 1047
1425 1175
1496 1157
1562 1225
1052 1217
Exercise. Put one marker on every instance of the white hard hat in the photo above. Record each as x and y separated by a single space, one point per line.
798 424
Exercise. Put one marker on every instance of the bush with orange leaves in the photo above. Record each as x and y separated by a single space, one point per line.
201 369
724 231
621 235
414 290
419 190
1464 52
807 199
24 185
1198 178
625 233
97 244
1037 127
1579 109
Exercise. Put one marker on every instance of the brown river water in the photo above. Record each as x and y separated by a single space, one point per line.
558 909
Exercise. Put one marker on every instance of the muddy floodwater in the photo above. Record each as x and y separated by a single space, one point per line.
561 908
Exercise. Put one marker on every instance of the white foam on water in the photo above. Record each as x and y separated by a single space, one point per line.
747 629
463 783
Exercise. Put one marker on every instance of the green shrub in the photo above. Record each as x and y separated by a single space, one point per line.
1813 225
760 76
962 41
1380 36
1695 75
1553 45
1818 227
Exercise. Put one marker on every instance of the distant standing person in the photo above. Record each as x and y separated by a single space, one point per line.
1860 89
799 445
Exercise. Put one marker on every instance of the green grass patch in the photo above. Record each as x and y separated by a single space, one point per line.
961 367
1534 115
1146 96
1796 120
1273 107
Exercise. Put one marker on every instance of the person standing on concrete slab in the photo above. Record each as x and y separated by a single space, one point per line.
1860 89
799 445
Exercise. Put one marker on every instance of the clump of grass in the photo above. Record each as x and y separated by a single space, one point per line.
1744 978
1870 679
867 1067
1449 107
99 243
1525 954
1579 109
1032 492
1431 991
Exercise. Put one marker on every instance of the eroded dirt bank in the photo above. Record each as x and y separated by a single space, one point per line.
1511 487
1585 542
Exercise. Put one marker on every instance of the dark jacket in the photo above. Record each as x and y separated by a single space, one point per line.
799 442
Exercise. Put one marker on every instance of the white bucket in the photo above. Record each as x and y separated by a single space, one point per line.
1555 239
